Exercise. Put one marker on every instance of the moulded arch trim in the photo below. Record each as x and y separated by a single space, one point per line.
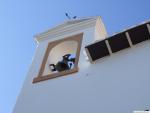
77 38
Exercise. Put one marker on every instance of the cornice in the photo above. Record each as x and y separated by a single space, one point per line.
66 28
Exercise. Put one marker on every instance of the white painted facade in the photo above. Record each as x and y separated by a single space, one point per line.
115 84
141 112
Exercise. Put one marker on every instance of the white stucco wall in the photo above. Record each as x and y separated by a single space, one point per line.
116 84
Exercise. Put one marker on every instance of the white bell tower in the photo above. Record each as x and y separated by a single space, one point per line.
114 79
52 86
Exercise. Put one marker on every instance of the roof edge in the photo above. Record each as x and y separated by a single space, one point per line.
68 27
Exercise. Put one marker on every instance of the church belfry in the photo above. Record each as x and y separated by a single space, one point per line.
78 68
61 58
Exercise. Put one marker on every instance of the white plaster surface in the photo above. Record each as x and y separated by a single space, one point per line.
119 83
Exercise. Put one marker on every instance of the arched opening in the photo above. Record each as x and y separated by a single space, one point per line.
61 57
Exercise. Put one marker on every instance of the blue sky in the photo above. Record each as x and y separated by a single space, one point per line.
20 20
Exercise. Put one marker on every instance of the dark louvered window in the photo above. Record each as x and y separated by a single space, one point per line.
139 34
118 42
98 50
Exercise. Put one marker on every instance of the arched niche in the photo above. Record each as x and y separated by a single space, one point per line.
54 56
57 52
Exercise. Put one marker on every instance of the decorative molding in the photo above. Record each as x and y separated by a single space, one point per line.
128 38
108 46
148 26
67 27
51 45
